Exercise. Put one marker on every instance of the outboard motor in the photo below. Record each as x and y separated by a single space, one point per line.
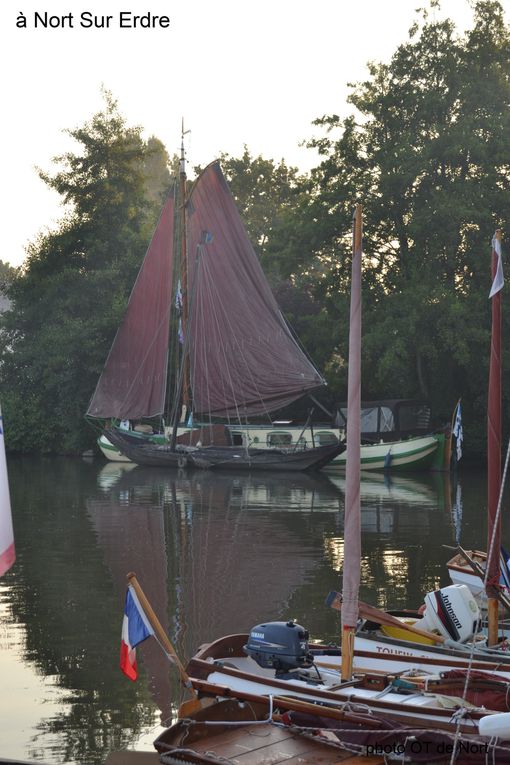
451 611
282 646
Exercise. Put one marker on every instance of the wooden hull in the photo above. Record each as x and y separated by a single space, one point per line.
251 735
462 573
224 665
409 455
223 457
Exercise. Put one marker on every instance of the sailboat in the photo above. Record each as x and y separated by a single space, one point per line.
238 357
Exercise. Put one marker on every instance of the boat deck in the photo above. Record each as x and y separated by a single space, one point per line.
242 734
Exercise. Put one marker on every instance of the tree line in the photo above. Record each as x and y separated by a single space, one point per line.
425 150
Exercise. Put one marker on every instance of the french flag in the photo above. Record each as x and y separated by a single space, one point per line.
135 629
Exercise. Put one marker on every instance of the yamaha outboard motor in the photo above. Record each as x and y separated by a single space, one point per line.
282 646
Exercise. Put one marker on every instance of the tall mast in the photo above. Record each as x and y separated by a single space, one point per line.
352 523
494 444
186 398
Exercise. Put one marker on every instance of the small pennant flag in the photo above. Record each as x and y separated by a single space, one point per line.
498 282
7 552
135 629
458 432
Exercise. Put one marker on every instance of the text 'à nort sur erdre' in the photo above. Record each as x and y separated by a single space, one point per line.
88 20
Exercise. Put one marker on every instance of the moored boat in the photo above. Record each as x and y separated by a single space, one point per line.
237 357
224 457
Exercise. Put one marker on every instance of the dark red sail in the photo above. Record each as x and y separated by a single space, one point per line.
243 358
133 382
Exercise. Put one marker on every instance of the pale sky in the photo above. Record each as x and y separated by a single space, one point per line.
254 72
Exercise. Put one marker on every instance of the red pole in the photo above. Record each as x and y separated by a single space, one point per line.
494 455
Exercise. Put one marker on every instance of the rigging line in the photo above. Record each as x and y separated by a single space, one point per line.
498 514
216 302
294 336
219 313
486 575
185 351
200 343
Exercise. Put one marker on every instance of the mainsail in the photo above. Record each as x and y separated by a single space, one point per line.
133 382
244 359
242 355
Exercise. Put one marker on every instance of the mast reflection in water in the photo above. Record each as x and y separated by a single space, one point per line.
215 554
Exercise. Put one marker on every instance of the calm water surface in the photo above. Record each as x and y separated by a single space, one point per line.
215 554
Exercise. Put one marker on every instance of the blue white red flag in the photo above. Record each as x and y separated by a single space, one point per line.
135 629
7 552
498 282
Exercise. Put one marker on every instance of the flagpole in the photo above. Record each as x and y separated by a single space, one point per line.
352 523
161 635
494 448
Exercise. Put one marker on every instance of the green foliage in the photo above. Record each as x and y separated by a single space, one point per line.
68 298
7 273
427 153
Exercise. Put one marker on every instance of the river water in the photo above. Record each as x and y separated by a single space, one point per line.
215 554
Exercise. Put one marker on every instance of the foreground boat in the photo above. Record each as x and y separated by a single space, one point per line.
250 667
276 668
252 731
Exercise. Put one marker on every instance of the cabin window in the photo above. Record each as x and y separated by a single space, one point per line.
279 438
325 438
414 417
387 422
237 439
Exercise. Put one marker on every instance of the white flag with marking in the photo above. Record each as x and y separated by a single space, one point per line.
498 282
7 552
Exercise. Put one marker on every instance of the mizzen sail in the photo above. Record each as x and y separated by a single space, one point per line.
133 382
244 359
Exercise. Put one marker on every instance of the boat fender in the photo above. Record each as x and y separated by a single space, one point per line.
495 725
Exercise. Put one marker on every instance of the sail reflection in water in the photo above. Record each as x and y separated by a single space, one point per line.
215 554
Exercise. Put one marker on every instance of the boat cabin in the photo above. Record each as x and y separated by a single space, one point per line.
390 420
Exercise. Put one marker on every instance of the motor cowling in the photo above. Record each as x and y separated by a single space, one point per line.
452 611
281 646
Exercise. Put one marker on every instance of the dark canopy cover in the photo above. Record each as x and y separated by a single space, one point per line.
133 382
244 360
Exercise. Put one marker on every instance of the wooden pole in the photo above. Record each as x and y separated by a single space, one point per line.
494 457
186 397
352 523
162 636
366 611
448 440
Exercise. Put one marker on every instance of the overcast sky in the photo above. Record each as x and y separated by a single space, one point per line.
238 71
